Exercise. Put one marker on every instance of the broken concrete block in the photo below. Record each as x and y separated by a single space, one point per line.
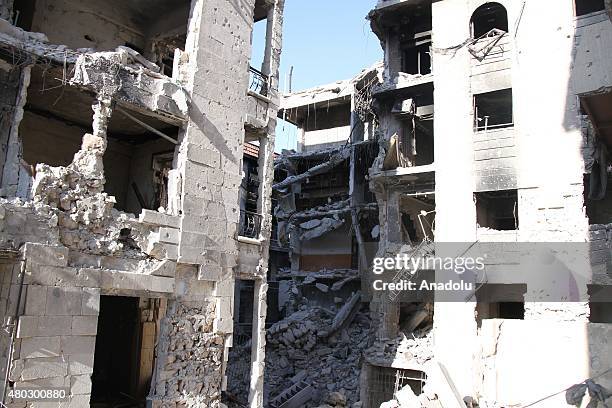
322 287
156 218
165 268
310 224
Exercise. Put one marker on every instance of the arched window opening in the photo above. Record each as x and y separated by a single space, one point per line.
487 17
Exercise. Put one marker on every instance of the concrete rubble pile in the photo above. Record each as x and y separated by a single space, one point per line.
298 349
418 348
193 357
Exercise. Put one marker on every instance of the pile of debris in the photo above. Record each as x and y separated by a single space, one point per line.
303 349
418 348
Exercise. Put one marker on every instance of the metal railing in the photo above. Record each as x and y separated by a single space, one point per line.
250 224
258 82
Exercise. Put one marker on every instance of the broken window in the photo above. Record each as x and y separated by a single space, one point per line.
416 57
487 17
500 301
250 219
588 6
258 81
238 370
493 110
497 210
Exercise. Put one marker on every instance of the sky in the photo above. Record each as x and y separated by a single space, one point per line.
325 41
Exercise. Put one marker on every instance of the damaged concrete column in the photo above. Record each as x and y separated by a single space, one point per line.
16 180
258 345
270 68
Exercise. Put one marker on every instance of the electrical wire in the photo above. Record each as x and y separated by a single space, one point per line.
557 393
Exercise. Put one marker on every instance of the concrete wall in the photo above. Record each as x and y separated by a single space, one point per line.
577 351
88 24
550 185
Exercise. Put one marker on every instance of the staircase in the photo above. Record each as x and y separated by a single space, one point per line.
423 250
295 396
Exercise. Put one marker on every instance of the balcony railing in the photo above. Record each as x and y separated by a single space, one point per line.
258 82
250 224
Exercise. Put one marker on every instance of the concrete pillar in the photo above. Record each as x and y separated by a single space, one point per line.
258 344
455 327
13 170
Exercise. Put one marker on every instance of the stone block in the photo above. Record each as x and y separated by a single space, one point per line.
169 235
54 325
203 156
37 347
35 368
165 268
161 285
77 345
46 254
36 298
210 272
90 303
80 384
63 301
84 325
156 218
27 327
80 364
120 280
51 382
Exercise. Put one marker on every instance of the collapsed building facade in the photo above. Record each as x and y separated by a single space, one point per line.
126 130
491 123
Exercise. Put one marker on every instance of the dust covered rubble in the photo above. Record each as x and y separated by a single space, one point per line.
297 350
418 348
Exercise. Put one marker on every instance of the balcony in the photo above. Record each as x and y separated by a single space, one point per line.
250 225
257 113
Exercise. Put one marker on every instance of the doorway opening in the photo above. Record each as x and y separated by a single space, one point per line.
124 356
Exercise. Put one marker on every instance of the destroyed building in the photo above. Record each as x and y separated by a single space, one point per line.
125 220
327 218
490 122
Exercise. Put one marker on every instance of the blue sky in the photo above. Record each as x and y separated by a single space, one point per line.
324 41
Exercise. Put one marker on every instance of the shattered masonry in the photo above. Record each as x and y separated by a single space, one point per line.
77 264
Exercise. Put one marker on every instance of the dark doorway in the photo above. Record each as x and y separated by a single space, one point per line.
116 353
